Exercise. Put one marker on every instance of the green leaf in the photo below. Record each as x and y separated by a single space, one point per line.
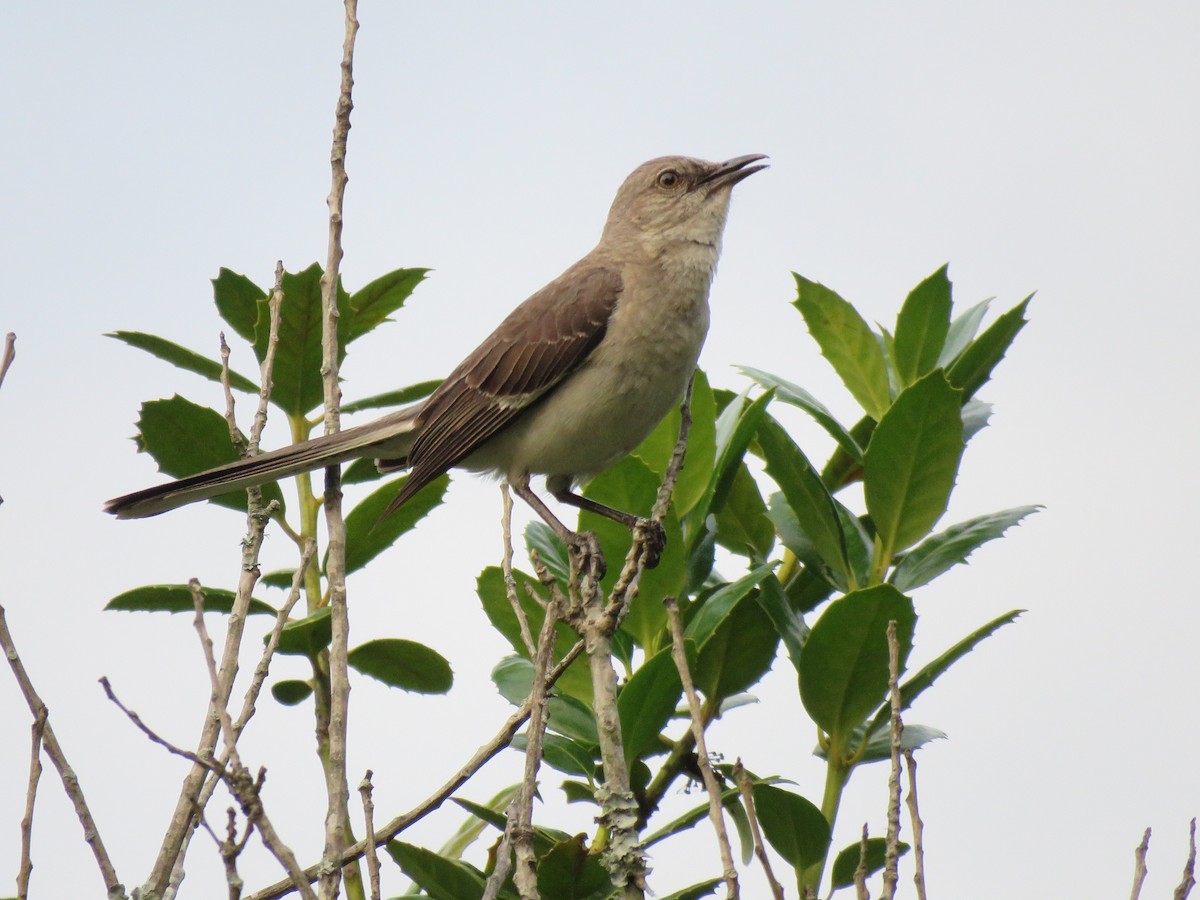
788 623
367 536
743 525
705 621
182 358
440 878
729 800
696 891
631 486
576 681
962 331
794 395
568 871
647 702
307 636
237 299
792 825
734 430
281 578
842 468
948 548
656 450
185 438
291 692
473 826
403 664
975 415
739 653
879 746
393 398
974 366
930 672
846 863
848 342
540 538
361 471
844 667
513 677
567 755
296 377
176 598
806 494
912 461
373 303
921 328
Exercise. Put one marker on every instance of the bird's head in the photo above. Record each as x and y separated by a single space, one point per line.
676 200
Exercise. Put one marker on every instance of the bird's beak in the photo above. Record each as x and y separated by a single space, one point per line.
733 170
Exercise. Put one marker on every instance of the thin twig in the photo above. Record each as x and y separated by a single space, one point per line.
504 855
891 857
497 743
235 433
918 827
248 708
1189 867
336 785
510 582
70 781
746 789
1139 865
365 789
244 788
210 663
25 869
525 874
860 871
10 353
716 812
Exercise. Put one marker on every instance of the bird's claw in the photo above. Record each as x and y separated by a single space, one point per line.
653 537
586 554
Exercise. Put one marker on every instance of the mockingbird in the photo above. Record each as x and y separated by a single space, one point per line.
574 379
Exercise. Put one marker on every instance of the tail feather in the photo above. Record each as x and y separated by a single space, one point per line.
389 436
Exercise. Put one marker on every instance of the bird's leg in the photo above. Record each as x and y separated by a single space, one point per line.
652 534
581 544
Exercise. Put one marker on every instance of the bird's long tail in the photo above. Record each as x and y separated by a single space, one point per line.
389 436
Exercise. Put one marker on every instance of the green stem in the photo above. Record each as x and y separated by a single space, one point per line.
837 775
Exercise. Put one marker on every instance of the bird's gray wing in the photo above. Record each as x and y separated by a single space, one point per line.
541 342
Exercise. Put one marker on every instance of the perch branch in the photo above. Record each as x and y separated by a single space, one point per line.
716 812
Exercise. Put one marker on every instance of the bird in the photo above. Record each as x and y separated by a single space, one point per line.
569 383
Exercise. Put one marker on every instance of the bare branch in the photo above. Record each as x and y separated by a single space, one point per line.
918 827
244 788
860 871
525 875
891 858
716 812
1139 865
10 353
746 789
510 583
365 789
334 760
25 868
498 742
1189 867
70 780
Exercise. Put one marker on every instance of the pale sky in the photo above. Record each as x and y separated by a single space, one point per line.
1035 146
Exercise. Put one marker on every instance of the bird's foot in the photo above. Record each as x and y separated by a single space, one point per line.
653 537
586 555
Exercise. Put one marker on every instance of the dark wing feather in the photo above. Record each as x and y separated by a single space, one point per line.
541 342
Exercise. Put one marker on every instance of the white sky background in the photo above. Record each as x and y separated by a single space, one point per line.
1034 146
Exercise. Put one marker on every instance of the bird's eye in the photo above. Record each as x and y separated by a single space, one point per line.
668 179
